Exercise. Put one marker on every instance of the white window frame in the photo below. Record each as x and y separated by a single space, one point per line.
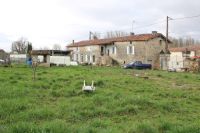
89 58
86 58
129 48
114 50
81 58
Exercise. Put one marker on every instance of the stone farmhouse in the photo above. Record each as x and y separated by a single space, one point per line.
120 50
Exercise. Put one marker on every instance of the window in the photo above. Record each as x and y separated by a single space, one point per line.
102 51
86 58
89 58
130 50
93 58
108 52
160 42
81 57
76 57
114 50
77 49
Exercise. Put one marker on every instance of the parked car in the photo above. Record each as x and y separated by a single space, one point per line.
137 65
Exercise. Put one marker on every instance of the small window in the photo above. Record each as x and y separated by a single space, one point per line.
160 42
93 58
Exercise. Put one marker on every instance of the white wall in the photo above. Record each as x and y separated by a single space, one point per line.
177 60
18 56
60 60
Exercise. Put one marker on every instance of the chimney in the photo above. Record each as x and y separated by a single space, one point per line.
132 33
95 37
154 32
90 35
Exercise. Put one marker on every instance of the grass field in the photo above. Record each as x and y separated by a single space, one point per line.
122 102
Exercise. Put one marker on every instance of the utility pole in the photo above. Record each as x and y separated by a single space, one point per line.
167 33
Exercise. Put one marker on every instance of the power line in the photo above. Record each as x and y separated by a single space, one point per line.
139 27
144 26
196 16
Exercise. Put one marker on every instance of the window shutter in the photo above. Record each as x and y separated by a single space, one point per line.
127 49
86 58
90 58
133 50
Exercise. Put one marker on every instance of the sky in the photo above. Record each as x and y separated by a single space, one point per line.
49 22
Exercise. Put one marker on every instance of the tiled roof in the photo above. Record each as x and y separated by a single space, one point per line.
139 37
181 49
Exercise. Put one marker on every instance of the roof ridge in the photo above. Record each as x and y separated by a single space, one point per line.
136 37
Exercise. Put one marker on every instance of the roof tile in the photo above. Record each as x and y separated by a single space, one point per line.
189 48
139 37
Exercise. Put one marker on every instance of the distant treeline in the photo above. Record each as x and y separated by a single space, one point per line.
182 42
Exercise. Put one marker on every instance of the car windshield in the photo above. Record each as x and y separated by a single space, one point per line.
131 63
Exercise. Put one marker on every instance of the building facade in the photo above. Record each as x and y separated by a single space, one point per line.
3 55
121 50
180 57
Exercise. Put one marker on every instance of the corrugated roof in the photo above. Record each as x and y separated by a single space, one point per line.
188 48
139 37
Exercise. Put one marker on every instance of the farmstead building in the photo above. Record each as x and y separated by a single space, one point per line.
182 58
120 50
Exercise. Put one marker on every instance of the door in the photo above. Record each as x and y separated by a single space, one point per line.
108 52
102 50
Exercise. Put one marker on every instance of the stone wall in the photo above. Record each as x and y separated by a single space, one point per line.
145 51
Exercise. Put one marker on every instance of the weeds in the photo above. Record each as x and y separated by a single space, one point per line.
168 102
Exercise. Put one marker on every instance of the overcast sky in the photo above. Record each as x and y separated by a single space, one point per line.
49 22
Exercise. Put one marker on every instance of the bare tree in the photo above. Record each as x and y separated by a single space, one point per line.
182 42
20 46
112 34
56 47
44 48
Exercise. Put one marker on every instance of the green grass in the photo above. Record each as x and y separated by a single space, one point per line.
122 102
